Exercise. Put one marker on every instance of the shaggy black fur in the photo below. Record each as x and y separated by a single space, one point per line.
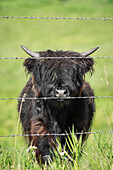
56 116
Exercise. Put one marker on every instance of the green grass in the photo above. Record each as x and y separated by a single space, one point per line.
38 34
95 154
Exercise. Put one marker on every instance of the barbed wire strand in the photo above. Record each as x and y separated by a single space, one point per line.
55 134
55 98
56 18
44 58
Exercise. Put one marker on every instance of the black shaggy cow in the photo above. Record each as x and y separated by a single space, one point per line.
58 78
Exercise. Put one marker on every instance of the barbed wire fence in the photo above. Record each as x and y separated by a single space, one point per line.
51 58
56 134
55 18
54 98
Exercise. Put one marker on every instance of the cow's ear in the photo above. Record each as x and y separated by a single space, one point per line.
29 64
87 63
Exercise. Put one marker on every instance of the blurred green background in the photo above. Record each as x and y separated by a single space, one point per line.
42 34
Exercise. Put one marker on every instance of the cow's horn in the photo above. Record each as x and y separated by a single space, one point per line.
31 53
85 54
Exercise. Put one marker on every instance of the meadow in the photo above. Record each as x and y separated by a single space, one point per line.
43 34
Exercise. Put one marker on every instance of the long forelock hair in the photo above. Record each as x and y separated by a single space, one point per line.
70 54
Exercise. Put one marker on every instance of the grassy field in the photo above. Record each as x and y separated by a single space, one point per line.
40 34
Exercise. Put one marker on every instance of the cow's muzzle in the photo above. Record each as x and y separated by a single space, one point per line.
61 93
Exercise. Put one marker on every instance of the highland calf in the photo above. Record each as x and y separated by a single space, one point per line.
58 78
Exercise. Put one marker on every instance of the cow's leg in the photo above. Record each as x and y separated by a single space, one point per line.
43 142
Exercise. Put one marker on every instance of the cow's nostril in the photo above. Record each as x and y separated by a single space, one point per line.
65 92
57 91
